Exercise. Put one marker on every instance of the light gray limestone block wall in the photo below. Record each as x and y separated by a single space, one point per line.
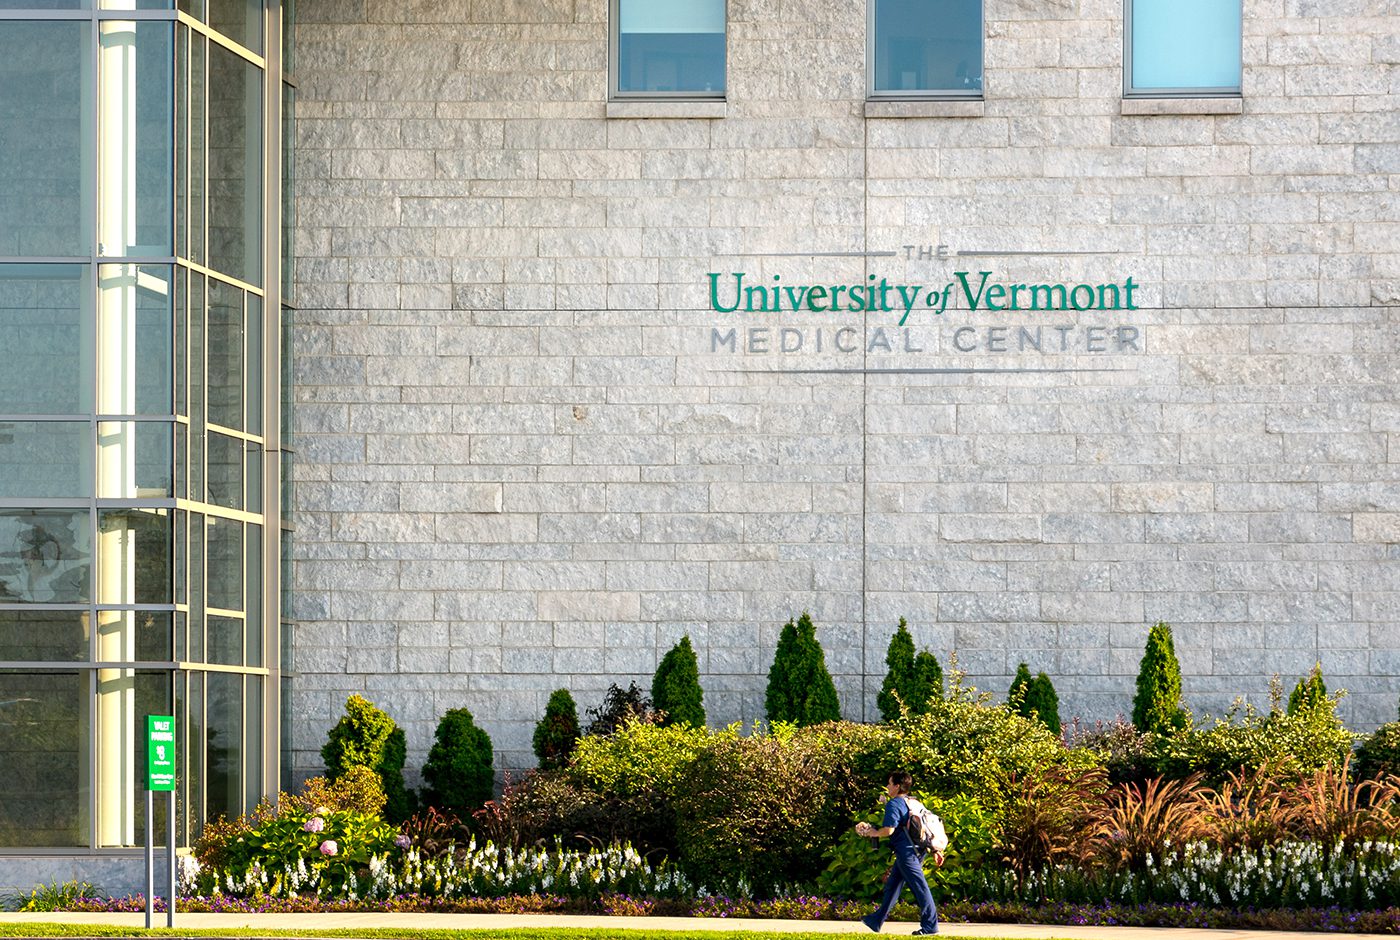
525 461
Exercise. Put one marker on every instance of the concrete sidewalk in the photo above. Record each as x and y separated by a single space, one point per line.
369 921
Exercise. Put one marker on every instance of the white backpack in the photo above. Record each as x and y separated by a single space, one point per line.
925 828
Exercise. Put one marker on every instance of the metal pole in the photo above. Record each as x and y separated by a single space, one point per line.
170 856
150 855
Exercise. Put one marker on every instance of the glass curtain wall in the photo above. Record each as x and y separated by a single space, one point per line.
139 302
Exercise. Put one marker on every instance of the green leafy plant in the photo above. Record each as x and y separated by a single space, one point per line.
1125 752
758 811
911 678
675 689
1157 705
856 865
358 788
640 757
619 707
1245 739
800 690
365 736
558 731
1310 692
458 771
59 896
1379 753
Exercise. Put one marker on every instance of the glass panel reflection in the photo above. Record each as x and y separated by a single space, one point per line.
224 568
235 165
125 697
928 45
45 459
135 80
225 355
142 465
46 112
225 470
225 640
136 548
125 636
44 729
134 339
46 338
224 742
44 636
1186 44
45 556
239 20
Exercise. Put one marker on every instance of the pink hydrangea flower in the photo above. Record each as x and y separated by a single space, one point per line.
329 847
314 824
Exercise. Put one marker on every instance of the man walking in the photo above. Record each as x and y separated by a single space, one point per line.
908 861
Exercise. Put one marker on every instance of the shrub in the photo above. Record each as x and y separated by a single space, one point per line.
358 789
640 758
911 679
856 865
1125 752
965 744
620 707
675 689
1380 753
1043 703
899 673
458 771
558 731
1157 705
1247 811
544 807
800 690
1246 739
1016 695
367 737
758 812
1338 814
1310 692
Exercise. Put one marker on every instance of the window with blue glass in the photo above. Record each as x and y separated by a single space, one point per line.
925 48
1182 47
668 48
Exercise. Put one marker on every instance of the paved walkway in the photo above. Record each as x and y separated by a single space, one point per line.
500 921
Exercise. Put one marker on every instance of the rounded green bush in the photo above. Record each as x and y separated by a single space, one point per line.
367 737
458 771
1380 753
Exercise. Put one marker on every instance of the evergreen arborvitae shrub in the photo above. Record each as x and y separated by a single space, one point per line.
367 737
458 771
1016 695
1308 693
1043 702
1157 705
899 675
675 689
800 689
928 682
557 732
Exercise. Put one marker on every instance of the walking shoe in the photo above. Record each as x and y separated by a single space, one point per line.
924 933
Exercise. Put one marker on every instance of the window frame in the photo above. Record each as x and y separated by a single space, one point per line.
616 94
1220 91
922 94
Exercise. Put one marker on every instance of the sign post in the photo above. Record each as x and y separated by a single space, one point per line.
160 776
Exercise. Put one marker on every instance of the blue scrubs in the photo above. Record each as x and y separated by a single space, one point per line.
908 867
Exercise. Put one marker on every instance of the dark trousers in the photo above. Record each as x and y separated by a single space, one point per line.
908 867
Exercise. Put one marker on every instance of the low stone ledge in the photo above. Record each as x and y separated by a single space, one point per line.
705 110
1145 106
887 108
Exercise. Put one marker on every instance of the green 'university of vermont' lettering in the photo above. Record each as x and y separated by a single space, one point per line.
881 295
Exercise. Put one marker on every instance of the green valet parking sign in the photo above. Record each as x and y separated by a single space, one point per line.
160 753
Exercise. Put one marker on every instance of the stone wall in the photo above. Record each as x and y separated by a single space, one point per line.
526 459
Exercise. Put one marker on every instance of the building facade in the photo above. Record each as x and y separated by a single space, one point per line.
614 322
534 450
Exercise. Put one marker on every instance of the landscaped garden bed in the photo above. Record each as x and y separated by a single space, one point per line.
1263 818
